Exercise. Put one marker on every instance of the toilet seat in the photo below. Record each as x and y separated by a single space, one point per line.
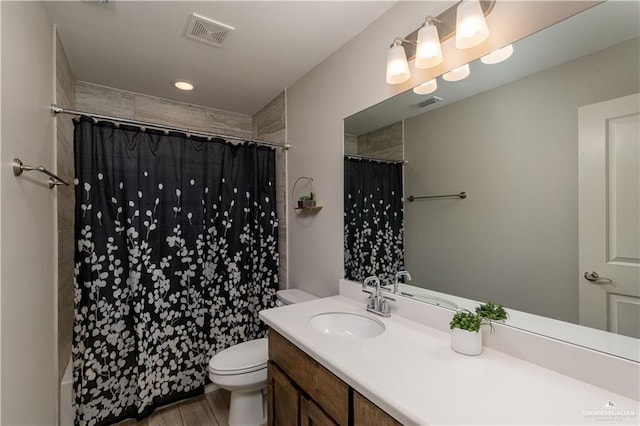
243 358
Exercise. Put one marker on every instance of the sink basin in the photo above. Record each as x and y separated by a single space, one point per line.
344 324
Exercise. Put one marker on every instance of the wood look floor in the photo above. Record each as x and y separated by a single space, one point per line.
211 409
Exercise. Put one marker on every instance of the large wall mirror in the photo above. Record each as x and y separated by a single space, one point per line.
514 136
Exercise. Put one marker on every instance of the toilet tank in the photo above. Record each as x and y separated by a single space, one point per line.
293 295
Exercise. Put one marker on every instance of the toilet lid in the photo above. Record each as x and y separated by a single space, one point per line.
241 358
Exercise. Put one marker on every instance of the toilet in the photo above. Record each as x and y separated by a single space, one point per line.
242 370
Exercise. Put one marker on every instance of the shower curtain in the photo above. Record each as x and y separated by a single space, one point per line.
373 220
176 253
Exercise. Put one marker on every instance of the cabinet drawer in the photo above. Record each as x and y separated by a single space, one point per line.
327 390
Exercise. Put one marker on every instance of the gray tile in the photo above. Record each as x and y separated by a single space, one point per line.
269 122
65 255
104 100
385 142
64 76
65 324
350 144
229 123
66 204
171 113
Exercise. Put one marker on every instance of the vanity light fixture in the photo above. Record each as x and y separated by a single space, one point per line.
498 56
457 74
428 49
464 21
426 87
397 65
183 85
471 27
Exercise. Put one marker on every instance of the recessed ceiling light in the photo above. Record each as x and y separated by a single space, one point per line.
183 85
426 87
497 56
457 74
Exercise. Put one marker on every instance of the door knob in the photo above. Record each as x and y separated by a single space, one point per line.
594 277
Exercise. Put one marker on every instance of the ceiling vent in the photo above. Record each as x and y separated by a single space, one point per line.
429 101
207 30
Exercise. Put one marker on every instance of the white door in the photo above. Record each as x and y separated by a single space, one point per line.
609 212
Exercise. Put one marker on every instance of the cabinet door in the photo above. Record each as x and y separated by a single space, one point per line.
312 415
283 398
366 413
322 386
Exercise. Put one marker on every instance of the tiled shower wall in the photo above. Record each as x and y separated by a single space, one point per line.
65 97
267 124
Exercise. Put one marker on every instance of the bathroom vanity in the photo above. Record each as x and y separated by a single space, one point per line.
409 375
303 392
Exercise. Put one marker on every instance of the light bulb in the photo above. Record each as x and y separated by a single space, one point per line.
498 56
426 87
428 50
471 27
397 66
457 74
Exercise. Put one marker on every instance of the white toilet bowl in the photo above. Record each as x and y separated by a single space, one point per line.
242 370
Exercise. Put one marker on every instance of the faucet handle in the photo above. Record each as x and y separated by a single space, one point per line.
383 307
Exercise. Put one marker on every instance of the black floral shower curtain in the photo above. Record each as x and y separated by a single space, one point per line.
176 253
373 219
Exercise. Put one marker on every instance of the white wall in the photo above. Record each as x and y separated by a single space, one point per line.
514 150
0 221
350 80
27 230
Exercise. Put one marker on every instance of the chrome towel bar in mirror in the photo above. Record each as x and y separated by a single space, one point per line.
462 195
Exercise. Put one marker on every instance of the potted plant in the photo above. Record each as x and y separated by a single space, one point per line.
466 334
492 312
306 201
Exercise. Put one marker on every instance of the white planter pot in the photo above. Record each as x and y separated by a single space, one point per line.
466 342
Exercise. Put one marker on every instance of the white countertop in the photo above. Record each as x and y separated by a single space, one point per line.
411 372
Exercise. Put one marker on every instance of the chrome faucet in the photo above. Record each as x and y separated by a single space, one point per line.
397 279
377 303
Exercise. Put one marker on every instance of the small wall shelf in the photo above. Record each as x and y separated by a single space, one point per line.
297 208
303 211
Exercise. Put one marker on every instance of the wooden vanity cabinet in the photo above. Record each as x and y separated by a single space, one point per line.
301 392
367 413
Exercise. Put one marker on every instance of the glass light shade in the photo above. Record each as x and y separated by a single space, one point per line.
457 74
428 50
471 27
497 56
183 85
397 66
426 87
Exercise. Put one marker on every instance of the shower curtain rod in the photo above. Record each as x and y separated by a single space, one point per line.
367 157
55 109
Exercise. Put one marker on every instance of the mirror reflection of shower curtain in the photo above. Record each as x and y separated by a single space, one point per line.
176 253
373 219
